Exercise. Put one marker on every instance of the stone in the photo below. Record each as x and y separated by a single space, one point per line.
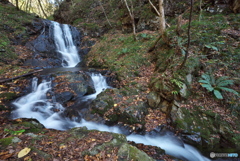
189 78
183 91
129 152
64 97
164 106
153 99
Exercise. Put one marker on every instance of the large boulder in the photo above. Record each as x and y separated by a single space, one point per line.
207 130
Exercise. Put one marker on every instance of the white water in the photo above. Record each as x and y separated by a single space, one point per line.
35 105
64 44
100 85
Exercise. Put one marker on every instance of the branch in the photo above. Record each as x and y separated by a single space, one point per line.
189 36
24 75
154 8
105 13
128 8
158 13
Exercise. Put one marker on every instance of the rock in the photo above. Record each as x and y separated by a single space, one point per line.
164 106
43 47
189 78
64 97
129 152
153 99
79 83
183 91
206 129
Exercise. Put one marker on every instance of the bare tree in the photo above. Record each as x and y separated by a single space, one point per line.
130 11
189 36
104 12
160 12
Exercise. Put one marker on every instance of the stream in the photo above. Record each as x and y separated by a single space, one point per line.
39 105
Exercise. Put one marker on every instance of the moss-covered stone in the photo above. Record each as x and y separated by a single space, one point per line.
6 141
129 152
209 126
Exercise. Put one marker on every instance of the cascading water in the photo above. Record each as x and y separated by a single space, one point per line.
64 44
100 85
36 105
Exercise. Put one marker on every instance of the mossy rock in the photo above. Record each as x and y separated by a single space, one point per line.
79 132
129 152
5 142
208 126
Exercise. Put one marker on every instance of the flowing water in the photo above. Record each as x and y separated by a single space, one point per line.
39 105
64 44
49 113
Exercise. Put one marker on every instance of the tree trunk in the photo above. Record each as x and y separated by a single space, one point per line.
132 18
189 36
17 5
162 23
104 12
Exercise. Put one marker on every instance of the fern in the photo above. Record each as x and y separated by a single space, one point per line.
217 85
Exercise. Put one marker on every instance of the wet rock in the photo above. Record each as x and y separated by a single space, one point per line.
43 47
64 97
79 83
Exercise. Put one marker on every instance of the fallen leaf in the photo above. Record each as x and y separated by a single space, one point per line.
23 152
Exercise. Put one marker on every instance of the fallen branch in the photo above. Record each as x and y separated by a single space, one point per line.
24 75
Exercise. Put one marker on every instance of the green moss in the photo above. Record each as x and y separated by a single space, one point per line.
8 96
12 25
34 126
129 152
6 141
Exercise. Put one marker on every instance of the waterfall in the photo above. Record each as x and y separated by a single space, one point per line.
64 44
100 85
47 112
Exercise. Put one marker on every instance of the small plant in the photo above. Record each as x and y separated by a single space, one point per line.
216 86
19 132
144 36
213 45
181 42
123 51
179 84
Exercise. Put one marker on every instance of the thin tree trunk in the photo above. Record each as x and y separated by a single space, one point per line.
158 12
155 43
42 9
200 6
189 37
17 5
162 25
105 13
132 18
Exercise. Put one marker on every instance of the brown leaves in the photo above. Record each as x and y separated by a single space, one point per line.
5 155
154 119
